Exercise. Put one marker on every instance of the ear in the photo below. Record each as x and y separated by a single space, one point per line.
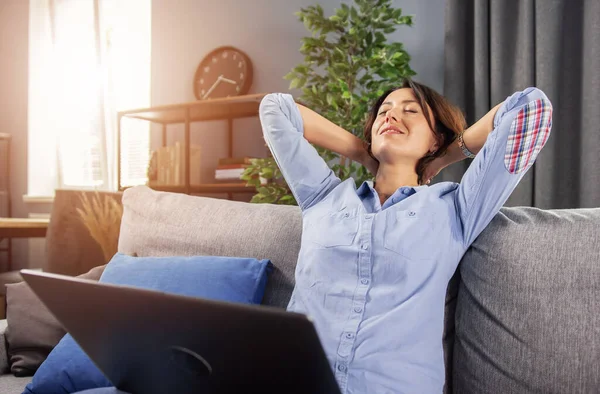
433 148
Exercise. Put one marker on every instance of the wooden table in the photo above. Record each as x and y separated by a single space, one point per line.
23 228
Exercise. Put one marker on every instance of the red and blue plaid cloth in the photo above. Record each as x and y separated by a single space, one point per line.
529 132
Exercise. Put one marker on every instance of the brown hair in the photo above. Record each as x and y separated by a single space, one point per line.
449 120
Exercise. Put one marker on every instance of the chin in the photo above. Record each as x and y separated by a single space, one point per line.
390 154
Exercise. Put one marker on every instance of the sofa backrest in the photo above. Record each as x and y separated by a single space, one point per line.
528 307
168 224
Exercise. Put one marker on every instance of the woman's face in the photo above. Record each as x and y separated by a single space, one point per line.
400 130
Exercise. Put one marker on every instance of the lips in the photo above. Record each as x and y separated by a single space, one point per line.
391 130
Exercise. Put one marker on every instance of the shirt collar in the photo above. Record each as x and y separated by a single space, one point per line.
367 186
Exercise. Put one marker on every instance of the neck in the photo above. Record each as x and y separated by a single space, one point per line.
390 178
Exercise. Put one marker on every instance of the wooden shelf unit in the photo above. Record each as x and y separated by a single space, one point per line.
228 109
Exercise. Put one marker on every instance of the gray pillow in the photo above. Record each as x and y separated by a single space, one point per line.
528 310
173 224
32 330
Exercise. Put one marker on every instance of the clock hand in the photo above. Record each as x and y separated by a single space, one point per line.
214 85
228 80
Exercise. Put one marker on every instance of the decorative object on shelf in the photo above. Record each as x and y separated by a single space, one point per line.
224 72
347 64
102 218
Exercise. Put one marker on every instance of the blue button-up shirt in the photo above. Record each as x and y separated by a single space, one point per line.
373 278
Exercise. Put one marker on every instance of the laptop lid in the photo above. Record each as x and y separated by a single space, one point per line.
150 342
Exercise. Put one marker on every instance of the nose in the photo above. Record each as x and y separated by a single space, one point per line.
391 116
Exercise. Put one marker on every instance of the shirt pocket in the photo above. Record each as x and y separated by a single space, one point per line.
410 234
332 229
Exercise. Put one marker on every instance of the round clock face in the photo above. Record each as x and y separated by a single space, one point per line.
224 72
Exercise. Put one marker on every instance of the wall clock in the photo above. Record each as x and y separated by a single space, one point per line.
224 72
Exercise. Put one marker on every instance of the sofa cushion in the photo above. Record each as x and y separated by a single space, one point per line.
168 224
32 330
527 317
10 384
242 280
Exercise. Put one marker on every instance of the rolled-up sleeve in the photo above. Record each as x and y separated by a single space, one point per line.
522 126
306 173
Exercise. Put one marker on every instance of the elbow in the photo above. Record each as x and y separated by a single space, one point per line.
533 93
269 103
279 112
270 111
527 96
531 97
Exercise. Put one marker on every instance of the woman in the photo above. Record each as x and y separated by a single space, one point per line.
375 261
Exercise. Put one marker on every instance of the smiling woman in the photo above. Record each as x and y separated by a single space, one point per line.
377 259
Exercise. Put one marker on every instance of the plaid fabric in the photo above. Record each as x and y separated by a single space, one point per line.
528 134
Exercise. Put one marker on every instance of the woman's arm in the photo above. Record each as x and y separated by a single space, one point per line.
521 126
474 138
326 134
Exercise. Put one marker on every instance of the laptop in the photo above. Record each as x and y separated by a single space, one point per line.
151 342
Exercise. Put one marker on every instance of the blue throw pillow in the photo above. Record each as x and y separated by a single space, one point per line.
68 369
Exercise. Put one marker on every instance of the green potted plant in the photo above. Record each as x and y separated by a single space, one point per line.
348 63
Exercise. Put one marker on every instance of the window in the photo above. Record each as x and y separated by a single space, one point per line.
88 59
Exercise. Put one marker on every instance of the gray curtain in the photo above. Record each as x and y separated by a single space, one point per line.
495 47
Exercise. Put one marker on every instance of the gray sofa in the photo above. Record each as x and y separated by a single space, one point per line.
522 311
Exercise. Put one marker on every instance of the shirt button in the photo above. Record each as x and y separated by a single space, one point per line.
346 214
364 246
364 281
368 217
341 367
411 213
357 309
349 335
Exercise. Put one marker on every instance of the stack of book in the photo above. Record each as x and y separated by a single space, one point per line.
167 166
230 169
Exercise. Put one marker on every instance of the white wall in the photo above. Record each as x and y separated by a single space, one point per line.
183 31
14 16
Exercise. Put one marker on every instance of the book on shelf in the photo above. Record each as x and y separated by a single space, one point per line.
232 173
233 176
231 169
234 160
168 166
232 166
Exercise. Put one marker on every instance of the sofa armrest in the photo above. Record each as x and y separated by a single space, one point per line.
4 366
